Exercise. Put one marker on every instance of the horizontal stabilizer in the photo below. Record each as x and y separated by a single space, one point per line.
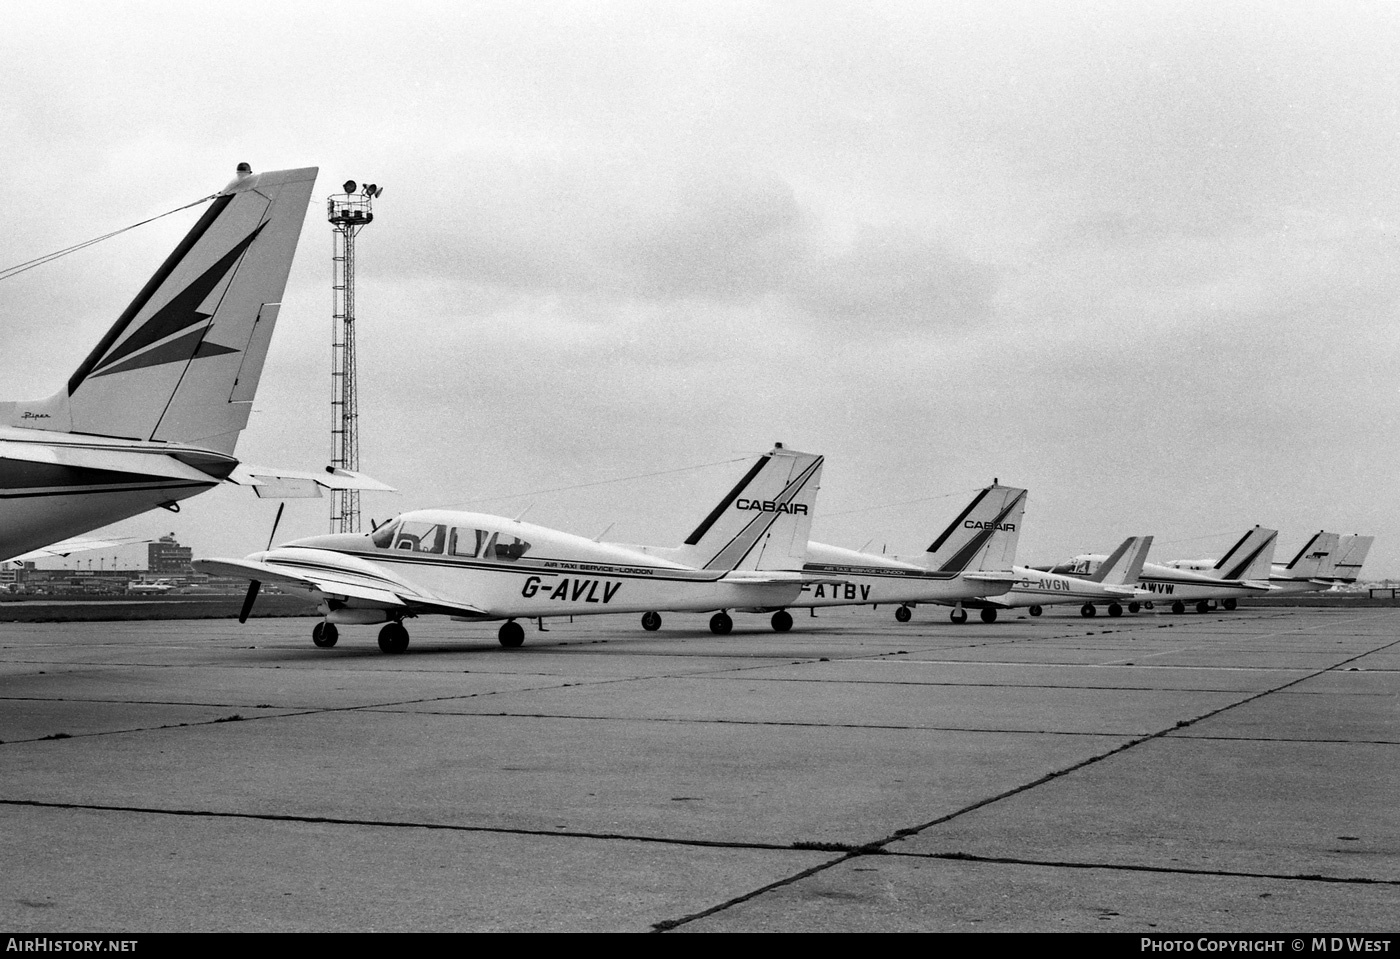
274 483
991 576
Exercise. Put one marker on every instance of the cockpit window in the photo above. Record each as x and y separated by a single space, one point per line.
421 537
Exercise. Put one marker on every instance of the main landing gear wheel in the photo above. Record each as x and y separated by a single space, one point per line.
782 621
1115 610
1087 611
958 616
903 613
1178 607
989 615
393 638
1134 607
651 622
1035 610
1228 604
512 634
1203 606
721 624
324 634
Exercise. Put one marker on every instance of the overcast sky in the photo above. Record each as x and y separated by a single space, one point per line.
1141 258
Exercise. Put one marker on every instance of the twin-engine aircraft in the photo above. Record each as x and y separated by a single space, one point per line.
152 415
746 554
1111 582
971 558
1243 571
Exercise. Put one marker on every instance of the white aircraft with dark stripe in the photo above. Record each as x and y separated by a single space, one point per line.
1308 572
972 557
747 553
1111 583
1243 571
152 416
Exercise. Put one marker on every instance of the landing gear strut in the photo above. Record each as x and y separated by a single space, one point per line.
958 616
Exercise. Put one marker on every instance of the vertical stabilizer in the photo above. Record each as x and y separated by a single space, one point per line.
1124 566
1252 557
1317 555
984 535
1350 557
182 362
764 522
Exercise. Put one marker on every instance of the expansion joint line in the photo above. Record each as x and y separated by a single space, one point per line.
877 847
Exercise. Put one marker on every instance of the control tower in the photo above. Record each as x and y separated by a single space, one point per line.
349 213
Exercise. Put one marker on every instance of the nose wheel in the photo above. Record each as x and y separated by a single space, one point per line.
903 614
1035 610
958 616
651 622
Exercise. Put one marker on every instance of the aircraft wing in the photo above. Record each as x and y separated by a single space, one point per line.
1120 590
63 549
781 576
346 583
274 483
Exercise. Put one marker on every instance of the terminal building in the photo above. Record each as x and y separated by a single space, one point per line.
167 557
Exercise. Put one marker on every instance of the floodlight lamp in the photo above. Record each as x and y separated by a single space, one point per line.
349 186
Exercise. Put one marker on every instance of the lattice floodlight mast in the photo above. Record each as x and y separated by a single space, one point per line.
348 212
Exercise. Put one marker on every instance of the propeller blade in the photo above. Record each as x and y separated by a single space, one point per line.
277 519
253 588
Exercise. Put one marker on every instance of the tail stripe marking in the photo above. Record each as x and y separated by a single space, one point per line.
182 311
965 555
709 521
153 284
1238 570
953 527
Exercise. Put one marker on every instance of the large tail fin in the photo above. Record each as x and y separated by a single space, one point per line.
1350 557
763 523
984 535
182 362
1124 566
1252 557
1317 555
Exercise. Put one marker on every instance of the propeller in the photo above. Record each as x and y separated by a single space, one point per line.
253 588
254 585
